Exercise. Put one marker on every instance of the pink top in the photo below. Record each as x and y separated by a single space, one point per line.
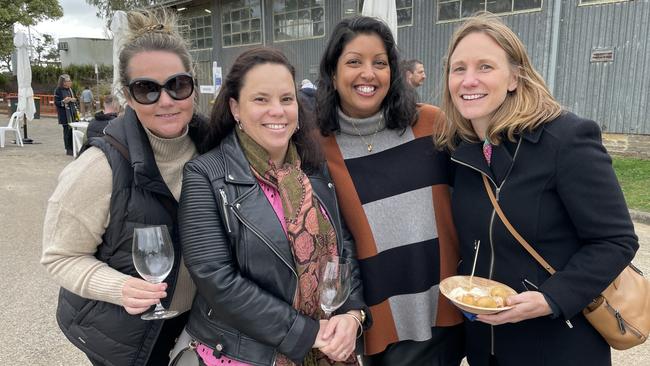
204 351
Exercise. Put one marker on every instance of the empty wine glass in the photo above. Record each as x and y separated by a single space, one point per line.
334 286
153 257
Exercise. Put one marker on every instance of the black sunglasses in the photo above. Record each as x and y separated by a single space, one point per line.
147 91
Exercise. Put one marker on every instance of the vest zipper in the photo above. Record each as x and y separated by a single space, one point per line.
224 206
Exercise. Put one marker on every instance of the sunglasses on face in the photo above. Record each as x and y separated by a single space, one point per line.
147 91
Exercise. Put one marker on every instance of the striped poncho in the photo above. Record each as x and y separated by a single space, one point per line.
395 200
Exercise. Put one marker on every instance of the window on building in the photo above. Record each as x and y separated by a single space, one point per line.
458 9
298 19
241 22
594 2
404 10
197 30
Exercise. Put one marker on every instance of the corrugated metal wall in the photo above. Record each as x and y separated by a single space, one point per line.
613 93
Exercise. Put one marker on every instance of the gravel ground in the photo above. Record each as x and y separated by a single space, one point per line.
28 296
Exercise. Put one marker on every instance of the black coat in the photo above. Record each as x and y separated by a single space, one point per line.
97 124
558 189
66 112
240 259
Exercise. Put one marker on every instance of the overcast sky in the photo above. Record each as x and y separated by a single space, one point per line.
79 20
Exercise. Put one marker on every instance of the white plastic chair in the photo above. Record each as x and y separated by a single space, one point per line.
14 125
77 141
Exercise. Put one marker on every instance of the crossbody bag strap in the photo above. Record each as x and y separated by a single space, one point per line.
512 230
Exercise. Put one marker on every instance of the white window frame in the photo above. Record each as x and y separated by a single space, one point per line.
599 2
359 5
300 24
249 31
461 18
187 30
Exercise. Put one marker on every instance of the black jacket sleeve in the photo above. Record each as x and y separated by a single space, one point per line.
589 190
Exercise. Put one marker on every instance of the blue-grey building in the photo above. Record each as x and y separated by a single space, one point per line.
594 54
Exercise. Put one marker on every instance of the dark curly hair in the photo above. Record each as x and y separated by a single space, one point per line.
398 106
222 121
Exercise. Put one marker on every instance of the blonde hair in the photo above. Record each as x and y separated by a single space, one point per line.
527 107
152 30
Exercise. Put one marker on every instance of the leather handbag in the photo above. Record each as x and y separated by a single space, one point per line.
621 313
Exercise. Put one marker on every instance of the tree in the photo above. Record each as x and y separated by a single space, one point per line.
106 8
45 50
25 12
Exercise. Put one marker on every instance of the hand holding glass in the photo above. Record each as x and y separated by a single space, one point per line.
334 286
153 257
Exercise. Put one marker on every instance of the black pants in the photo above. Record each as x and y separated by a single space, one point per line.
445 348
67 137
171 329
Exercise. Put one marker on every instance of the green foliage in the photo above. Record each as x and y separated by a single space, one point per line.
5 79
25 12
106 8
634 176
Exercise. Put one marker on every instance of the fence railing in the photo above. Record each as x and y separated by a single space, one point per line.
47 107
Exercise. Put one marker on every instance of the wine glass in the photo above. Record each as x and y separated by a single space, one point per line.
153 257
334 285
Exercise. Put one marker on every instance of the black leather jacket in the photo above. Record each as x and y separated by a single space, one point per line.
238 255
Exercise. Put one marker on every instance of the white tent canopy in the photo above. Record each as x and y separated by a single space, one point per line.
384 10
24 75
118 27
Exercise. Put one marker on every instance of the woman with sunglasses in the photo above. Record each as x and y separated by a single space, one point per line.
257 215
130 178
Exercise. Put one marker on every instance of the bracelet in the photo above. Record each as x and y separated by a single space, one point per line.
358 322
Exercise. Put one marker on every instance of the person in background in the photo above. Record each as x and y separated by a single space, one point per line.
97 124
414 72
554 182
257 217
66 109
87 102
392 185
307 96
128 179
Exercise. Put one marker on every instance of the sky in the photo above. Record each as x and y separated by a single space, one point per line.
79 20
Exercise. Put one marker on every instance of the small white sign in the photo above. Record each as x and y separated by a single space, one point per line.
206 89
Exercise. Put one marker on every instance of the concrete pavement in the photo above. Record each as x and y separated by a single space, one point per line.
28 297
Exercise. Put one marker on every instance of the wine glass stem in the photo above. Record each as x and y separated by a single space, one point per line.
328 314
158 308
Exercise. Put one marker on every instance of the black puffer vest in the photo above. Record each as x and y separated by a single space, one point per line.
140 197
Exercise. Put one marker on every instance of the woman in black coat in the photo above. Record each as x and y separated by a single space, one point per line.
66 110
554 181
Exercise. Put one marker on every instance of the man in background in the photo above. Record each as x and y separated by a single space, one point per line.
97 124
414 72
87 102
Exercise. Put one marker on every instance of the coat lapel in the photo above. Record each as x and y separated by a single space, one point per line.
471 154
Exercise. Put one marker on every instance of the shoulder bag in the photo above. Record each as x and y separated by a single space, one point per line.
621 313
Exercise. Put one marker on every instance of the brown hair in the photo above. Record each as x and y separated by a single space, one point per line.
527 107
222 121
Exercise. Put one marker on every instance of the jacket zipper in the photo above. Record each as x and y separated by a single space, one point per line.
224 206
490 230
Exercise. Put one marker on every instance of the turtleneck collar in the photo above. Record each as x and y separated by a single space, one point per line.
169 149
361 126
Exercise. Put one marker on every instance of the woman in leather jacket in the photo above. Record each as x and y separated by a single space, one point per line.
257 215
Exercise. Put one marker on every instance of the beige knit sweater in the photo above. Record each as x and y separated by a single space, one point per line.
78 214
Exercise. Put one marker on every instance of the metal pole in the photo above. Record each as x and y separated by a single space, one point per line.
555 43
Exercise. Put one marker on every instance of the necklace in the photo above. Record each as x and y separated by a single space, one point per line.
369 144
